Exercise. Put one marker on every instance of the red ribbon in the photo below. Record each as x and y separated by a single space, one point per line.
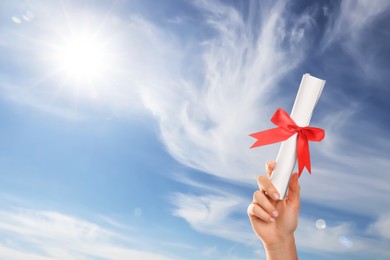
286 128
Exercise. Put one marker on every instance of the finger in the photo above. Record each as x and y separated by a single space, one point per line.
266 185
254 210
269 167
262 200
294 191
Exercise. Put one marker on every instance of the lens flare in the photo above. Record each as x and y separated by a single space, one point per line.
320 224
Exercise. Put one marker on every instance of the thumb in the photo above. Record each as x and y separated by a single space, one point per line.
294 191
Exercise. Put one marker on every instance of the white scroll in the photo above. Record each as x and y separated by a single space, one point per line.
308 94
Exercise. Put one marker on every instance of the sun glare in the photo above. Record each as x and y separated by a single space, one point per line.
82 58
80 54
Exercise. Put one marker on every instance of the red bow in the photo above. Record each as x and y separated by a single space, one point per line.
286 128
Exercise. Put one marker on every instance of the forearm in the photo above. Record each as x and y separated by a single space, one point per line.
285 250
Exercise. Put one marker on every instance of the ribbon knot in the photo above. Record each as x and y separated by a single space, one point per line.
287 128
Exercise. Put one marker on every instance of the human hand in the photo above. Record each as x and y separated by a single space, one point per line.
274 221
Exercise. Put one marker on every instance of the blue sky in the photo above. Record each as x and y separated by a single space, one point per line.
124 126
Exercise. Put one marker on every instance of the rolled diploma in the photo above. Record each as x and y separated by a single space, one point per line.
308 94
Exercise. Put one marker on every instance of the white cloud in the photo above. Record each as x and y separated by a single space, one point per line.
348 28
15 254
331 239
343 237
345 164
354 17
381 227
211 214
43 235
350 184
216 215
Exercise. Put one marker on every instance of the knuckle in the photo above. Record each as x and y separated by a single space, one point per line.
272 190
263 201
261 178
263 182
249 210
261 213
256 195
267 165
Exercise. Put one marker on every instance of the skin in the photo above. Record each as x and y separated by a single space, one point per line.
275 221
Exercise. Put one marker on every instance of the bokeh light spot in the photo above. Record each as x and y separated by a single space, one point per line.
345 242
16 20
320 224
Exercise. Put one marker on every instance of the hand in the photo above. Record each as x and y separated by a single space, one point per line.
274 221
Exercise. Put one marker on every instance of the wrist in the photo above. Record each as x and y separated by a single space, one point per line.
284 249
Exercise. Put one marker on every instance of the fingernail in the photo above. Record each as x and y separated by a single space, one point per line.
275 213
276 196
268 163
272 220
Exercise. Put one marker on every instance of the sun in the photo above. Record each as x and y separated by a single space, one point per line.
80 55
82 58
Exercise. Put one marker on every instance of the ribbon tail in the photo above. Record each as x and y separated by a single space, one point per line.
314 134
303 153
270 136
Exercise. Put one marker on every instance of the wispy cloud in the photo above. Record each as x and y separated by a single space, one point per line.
32 234
381 226
342 237
215 213
220 213
354 17
210 214
350 27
